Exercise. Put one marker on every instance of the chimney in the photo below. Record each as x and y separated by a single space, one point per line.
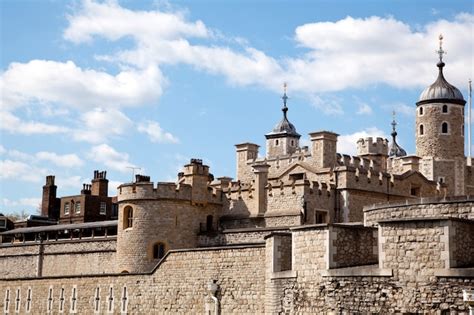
86 189
323 148
261 179
100 184
49 203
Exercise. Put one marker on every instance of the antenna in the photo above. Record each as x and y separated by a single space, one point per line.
133 168
469 124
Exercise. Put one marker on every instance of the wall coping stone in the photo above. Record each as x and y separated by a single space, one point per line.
355 225
439 218
455 272
277 234
256 229
420 202
358 271
59 242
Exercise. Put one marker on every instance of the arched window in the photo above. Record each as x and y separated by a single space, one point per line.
276 142
158 250
209 220
445 108
127 217
444 127
422 130
292 142
421 111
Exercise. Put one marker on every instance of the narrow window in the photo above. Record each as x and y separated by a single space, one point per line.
77 207
50 300
441 180
292 142
462 130
103 208
128 217
276 142
422 131
158 250
3 223
444 127
66 208
97 300
421 111
61 301
6 305
124 300
28 300
74 300
17 300
209 220
110 307
445 108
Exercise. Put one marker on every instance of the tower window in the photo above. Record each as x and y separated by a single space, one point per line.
292 142
127 217
444 127
421 111
209 220
422 130
276 142
445 109
158 250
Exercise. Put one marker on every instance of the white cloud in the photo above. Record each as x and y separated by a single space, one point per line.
100 124
15 125
113 184
28 202
364 109
42 81
347 144
66 160
2 149
74 181
17 170
156 133
111 158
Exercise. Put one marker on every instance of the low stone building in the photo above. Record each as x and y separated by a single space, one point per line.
300 230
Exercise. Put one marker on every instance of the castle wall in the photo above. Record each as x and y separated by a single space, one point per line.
58 258
178 285
457 208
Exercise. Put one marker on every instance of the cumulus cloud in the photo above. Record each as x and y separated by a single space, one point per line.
15 125
18 170
156 133
347 144
43 81
99 124
66 160
364 109
28 202
111 158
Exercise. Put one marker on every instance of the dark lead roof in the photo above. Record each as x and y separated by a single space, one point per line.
61 227
284 128
395 149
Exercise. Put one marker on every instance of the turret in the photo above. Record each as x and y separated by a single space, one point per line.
323 148
376 151
246 154
197 175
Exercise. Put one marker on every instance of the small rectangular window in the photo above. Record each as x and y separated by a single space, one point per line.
3 223
66 208
6 304
103 208
77 207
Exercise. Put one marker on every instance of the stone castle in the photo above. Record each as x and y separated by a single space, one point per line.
300 230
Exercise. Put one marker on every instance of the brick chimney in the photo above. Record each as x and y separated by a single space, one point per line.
49 202
100 184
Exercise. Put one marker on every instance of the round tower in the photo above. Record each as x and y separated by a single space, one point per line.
440 118
440 132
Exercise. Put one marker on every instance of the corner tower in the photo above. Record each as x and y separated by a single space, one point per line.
440 131
283 139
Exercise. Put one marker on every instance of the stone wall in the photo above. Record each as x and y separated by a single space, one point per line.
351 245
178 285
58 258
236 236
461 243
422 208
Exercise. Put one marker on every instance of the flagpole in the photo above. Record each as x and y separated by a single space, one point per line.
469 126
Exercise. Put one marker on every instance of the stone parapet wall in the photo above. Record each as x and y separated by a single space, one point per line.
421 208
237 236
352 246
58 258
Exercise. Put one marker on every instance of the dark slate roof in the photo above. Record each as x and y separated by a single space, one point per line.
284 128
61 227
441 91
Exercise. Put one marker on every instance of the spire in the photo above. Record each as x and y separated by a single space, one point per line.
440 53
395 149
285 99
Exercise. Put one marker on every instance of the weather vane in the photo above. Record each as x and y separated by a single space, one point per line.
394 123
284 97
441 52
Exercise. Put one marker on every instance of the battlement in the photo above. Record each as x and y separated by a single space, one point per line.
367 146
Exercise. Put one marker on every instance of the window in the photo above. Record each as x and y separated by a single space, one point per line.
66 208
421 111
320 217
127 217
292 142
74 300
422 131
61 301
50 300
103 208
77 207
110 299
17 301
276 142
28 300
209 220
462 130
445 108
158 250
3 223
114 210
124 300
441 180
444 127
6 304
97 300
415 191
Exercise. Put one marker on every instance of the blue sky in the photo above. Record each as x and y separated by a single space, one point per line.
106 85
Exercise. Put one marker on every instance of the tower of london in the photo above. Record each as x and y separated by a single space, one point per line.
300 229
